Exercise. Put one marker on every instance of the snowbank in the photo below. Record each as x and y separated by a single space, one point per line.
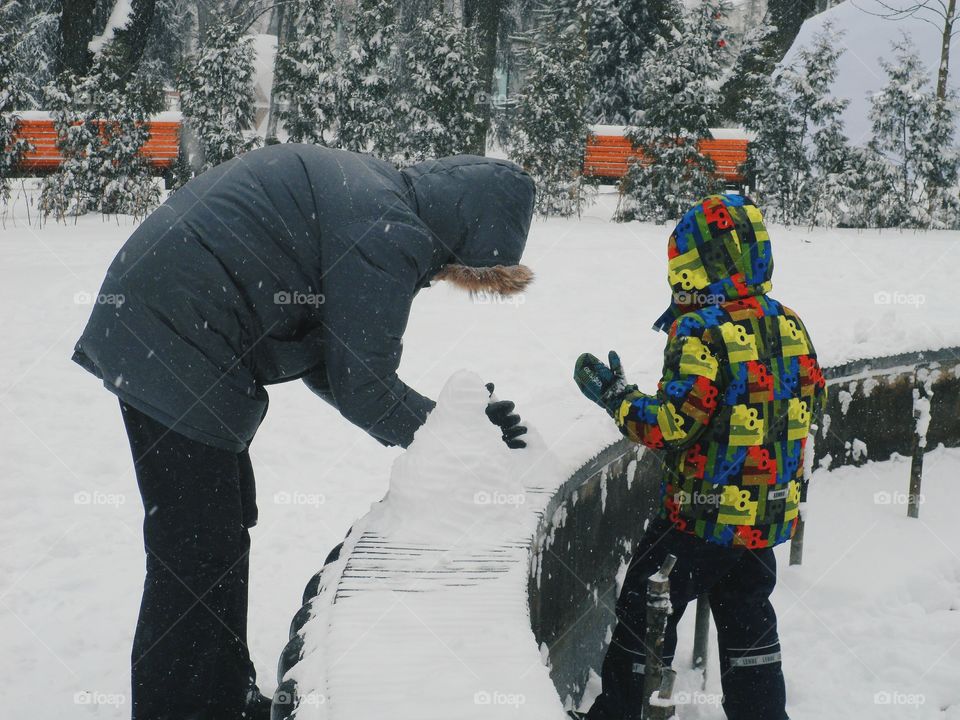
425 611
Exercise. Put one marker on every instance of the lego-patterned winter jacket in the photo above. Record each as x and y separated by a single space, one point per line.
740 389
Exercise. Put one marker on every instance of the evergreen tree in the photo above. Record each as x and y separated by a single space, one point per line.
755 64
12 99
912 138
550 127
365 99
679 103
29 32
216 94
74 189
307 74
124 102
101 126
442 84
169 35
621 33
800 160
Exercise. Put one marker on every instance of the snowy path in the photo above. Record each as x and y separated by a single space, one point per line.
70 555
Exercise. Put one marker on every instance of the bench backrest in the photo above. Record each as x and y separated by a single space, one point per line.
160 149
609 156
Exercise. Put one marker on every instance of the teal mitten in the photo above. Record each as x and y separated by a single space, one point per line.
604 385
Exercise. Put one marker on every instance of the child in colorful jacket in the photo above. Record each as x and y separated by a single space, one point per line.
740 391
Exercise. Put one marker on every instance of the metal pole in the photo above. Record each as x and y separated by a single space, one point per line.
701 638
658 611
921 419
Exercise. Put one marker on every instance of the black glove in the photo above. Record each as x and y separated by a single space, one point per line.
502 415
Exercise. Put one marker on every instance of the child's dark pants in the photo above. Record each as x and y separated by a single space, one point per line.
190 658
739 583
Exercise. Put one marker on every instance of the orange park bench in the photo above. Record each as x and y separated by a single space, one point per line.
609 153
36 127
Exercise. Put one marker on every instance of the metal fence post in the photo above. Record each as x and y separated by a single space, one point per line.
701 638
655 679
921 420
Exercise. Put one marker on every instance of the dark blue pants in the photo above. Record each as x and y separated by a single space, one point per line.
738 583
190 658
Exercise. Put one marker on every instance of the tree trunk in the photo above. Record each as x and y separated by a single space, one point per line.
76 32
485 17
944 69
280 15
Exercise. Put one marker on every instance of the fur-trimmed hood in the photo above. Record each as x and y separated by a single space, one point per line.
499 279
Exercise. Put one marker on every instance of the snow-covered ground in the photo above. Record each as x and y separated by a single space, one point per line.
873 609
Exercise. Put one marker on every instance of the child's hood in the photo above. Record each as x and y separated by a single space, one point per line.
719 251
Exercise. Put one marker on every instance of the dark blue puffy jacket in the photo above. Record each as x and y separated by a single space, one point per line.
293 261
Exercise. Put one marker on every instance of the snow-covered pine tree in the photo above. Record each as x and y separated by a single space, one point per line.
940 165
307 73
169 36
124 102
29 33
621 32
442 84
101 126
74 189
216 94
12 98
756 61
679 103
549 128
914 161
800 161
366 112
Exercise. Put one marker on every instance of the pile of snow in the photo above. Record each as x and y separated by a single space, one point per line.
458 473
425 612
